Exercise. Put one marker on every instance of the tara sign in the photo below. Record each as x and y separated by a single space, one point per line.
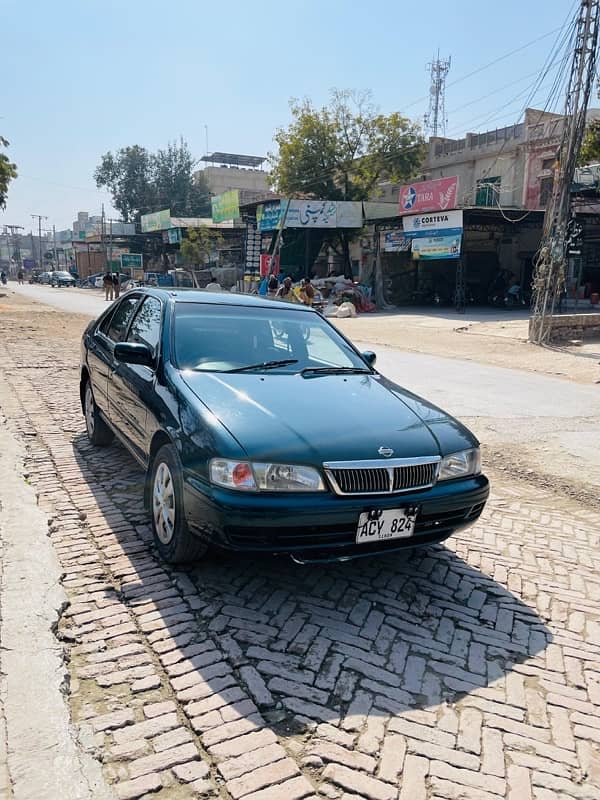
437 195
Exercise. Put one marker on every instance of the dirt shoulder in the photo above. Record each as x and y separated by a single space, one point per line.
502 343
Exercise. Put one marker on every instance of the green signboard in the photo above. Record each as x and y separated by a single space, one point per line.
226 206
131 260
158 221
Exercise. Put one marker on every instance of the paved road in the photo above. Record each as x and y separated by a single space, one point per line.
468 671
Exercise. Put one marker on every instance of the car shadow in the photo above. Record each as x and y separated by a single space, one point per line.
386 636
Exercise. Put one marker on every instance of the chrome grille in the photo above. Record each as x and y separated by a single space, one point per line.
382 477
362 481
416 476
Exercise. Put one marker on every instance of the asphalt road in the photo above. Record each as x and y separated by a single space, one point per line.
464 388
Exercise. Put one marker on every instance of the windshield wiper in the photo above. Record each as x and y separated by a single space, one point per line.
335 371
264 365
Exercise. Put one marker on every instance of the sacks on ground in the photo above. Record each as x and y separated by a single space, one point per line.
346 310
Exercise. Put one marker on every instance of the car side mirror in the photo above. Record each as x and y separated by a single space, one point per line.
134 353
370 357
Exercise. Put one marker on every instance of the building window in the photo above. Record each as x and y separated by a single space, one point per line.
488 191
546 186
548 163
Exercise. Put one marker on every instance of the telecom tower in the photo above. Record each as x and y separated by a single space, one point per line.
435 119
549 276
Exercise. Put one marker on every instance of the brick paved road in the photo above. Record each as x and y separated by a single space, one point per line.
469 671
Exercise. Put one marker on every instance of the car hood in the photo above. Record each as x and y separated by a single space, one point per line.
278 417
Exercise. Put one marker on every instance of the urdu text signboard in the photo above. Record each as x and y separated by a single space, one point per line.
437 195
268 215
311 214
226 206
158 221
448 223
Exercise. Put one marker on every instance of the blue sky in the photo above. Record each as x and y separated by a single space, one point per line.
81 77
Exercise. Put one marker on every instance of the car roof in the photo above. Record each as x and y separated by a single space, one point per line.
182 295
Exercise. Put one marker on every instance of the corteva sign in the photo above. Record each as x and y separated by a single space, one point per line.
422 196
449 223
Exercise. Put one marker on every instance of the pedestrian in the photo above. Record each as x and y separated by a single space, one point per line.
20 277
108 286
307 293
272 285
116 279
3 277
285 290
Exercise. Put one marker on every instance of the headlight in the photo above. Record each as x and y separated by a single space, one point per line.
259 477
460 465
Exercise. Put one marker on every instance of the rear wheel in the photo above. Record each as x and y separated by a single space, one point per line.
98 431
172 536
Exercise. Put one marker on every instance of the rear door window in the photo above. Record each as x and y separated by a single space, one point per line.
117 326
145 328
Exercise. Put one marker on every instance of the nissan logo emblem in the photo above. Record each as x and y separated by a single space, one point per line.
385 451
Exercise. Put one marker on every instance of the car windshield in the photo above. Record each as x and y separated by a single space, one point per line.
220 338
62 274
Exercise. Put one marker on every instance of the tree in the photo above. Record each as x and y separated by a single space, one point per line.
175 185
199 245
590 147
343 151
141 181
128 176
8 171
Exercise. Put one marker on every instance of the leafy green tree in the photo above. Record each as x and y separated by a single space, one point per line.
590 147
8 171
140 181
175 185
199 244
127 174
343 151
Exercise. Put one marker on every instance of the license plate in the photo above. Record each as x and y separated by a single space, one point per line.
393 523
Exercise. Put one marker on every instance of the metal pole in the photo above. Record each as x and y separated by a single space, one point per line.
110 243
54 243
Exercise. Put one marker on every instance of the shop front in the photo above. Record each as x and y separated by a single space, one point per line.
465 256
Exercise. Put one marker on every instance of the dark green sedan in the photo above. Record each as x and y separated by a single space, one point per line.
262 429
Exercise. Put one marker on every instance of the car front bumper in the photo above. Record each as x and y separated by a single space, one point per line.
322 526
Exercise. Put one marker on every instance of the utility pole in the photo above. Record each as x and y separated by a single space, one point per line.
13 230
54 246
549 276
435 119
103 239
39 218
110 244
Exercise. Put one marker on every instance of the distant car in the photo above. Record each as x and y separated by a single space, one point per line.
44 277
62 278
262 429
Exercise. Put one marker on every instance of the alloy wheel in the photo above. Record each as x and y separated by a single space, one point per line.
163 503
90 421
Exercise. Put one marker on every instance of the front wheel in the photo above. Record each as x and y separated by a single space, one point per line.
98 431
172 536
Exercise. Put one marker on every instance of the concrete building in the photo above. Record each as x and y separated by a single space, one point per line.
86 225
226 171
508 168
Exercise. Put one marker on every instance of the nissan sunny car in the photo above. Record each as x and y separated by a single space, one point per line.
262 429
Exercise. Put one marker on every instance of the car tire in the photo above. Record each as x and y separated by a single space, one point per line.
97 430
172 536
